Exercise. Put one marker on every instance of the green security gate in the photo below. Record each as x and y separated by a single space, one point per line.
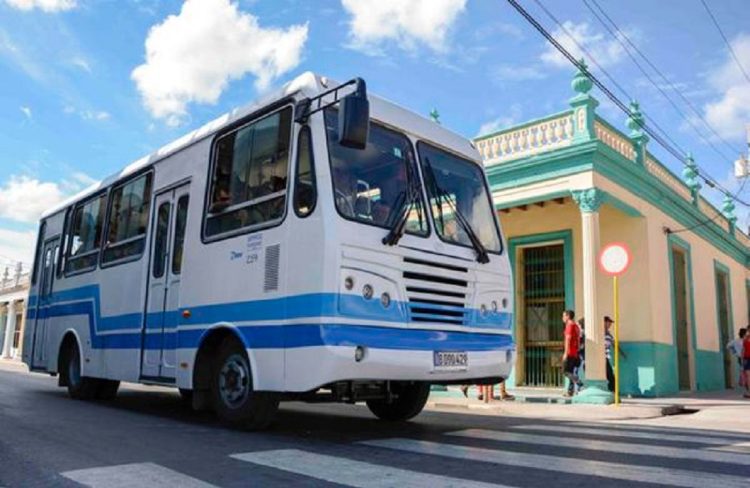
543 294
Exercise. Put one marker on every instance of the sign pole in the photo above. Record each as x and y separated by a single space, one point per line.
614 260
616 352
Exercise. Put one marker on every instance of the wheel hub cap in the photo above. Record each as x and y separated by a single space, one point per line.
234 381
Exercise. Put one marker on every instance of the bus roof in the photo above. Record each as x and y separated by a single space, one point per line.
310 85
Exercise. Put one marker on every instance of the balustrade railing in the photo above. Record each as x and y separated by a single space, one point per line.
546 135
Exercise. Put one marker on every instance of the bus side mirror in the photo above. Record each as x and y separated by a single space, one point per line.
354 118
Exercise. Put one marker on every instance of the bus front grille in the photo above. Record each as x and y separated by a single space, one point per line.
437 292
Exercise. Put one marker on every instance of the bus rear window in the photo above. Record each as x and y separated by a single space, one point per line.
128 219
85 235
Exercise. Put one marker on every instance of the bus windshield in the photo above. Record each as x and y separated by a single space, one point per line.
458 183
371 185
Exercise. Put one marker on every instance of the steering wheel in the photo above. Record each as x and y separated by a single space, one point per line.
343 203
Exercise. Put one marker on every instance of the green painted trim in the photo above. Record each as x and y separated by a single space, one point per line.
532 200
531 122
720 267
588 200
596 156
595 393
620 205
566 236
608 199
674 241
649 369
710 376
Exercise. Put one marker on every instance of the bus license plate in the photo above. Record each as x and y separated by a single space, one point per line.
450 361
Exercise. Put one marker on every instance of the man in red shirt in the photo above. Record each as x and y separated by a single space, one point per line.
571 359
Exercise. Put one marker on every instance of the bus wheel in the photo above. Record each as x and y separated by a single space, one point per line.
410 399
234 400
79 387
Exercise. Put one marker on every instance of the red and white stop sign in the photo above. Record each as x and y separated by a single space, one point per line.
615 259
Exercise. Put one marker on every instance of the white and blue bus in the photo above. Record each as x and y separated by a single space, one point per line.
318 245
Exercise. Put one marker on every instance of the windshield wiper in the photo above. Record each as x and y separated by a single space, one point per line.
443 196
407 198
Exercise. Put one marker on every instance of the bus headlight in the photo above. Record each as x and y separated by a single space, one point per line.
483 309
348 282
367 291
505 303
494 305
385 300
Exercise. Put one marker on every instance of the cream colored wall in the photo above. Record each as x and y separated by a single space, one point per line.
552 217
703 255
645 292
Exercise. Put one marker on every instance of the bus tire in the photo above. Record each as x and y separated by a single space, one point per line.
234 400
107 389
410 399
79 387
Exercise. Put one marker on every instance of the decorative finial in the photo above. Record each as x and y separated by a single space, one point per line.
581 82
690 173
728 208
635 120
435 115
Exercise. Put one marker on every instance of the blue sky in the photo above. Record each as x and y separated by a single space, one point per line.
87 86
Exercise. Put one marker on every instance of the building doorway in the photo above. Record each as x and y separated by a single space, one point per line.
725 327
542 294
682 338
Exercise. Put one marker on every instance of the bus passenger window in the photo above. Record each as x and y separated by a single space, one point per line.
179 234
128 219
160 241
85 235
249 181
305 193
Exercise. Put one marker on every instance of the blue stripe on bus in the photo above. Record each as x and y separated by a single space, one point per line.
86 301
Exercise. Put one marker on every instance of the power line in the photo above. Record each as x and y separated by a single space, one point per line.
726 41
678 154
625 41
611 78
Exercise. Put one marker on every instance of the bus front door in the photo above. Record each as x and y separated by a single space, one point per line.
160 334
39 353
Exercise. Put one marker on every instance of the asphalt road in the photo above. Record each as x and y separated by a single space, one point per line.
146 437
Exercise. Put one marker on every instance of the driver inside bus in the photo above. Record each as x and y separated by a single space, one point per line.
393 185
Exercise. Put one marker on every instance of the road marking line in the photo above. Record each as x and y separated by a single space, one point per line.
620 425
743 447
137 474
576 466
597 445
350 472
565 429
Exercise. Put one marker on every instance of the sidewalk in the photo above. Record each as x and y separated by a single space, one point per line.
720 406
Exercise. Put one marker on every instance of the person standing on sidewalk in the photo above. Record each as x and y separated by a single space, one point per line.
570 358
746 363
609 344
735 349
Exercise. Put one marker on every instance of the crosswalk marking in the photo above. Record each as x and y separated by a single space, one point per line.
137 474
349 472
566 429
622 426
666 476
620 447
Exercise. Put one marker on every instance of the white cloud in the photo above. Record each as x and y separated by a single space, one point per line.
605 50
192 56
98 115
17 245
512 117
44 5
26 111
24 198
730 113
407 24
81 63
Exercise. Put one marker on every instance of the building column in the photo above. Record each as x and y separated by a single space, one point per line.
3 318
10 328
596 391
